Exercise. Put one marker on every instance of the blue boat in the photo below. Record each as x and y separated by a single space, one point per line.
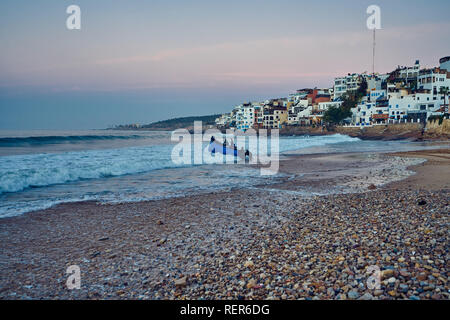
215 147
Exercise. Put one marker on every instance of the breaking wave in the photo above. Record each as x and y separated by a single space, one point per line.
42 140
20 172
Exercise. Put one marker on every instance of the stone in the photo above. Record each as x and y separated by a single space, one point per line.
251 284
366 296
353 294
404 273
372 187
182 282
330 292
391 280
403 287
392 293
386 273
377 293
248 264
422 276
95 254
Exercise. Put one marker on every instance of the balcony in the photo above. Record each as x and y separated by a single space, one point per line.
382 116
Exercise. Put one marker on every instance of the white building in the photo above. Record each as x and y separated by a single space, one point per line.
433 80
294 111
223 120
409 72
345 84
444 63
372 109
324 106
245 117
374 95
400 107
306 113
375 82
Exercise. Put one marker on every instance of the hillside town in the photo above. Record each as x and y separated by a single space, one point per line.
408 94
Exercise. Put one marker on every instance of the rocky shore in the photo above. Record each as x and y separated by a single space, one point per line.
258 243
403 131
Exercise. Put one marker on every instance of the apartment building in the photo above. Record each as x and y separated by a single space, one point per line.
348 83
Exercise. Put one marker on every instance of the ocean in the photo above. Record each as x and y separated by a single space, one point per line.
39 169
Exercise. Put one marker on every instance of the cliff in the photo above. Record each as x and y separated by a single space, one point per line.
401 131
438 129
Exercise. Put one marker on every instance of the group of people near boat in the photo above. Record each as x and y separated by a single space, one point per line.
228 147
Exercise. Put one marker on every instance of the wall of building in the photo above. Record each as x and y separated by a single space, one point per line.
445 63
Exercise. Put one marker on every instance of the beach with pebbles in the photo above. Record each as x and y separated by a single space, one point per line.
347 226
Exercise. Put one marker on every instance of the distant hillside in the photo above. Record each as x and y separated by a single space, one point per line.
172 124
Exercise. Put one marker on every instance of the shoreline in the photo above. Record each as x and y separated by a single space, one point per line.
431 175
392 132
267 242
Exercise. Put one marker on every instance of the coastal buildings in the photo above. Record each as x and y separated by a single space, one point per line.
348 83
444 63
223 120
433 80
294 111
245 116
407 94
274 117
408 74
372 109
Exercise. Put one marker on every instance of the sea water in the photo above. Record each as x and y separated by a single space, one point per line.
39 169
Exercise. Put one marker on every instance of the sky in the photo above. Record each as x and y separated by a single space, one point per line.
139 61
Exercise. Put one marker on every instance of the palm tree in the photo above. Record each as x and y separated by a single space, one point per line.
444 91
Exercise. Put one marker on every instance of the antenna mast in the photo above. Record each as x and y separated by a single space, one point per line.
373 54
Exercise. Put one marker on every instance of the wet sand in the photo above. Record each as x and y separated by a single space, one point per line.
434 174
266 242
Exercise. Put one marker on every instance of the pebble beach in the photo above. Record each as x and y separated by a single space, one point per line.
267 242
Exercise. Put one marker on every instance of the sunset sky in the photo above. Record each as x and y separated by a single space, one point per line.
140 61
